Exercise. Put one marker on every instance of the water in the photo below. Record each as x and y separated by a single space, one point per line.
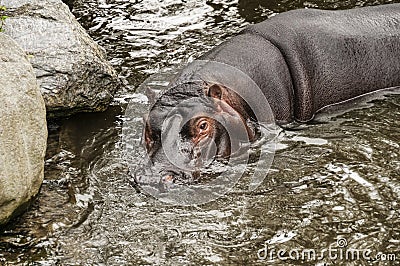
336 179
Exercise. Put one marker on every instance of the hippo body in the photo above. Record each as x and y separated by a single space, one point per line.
301 60
306 59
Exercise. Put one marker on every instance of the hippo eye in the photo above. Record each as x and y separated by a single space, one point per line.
203 125
202 129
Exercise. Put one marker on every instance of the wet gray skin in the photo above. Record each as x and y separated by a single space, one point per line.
334 178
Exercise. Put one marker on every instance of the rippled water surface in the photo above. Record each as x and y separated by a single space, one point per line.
333 181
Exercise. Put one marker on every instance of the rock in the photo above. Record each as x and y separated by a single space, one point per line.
71 68
69 3
23 130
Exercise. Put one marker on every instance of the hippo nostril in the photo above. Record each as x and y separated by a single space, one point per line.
167 178
167 181
172 177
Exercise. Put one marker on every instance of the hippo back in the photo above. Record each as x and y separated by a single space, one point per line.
334 56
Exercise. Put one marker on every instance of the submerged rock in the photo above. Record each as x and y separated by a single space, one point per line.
71 68
23 130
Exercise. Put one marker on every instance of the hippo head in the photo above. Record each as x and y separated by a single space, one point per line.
193 124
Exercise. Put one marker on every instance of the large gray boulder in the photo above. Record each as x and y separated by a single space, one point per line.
71 68
23 130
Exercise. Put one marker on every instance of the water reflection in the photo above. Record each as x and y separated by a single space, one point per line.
145 36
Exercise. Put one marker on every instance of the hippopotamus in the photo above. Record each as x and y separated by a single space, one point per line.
301 60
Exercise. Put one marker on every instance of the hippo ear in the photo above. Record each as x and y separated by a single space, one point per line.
146 139
232 104
215 91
